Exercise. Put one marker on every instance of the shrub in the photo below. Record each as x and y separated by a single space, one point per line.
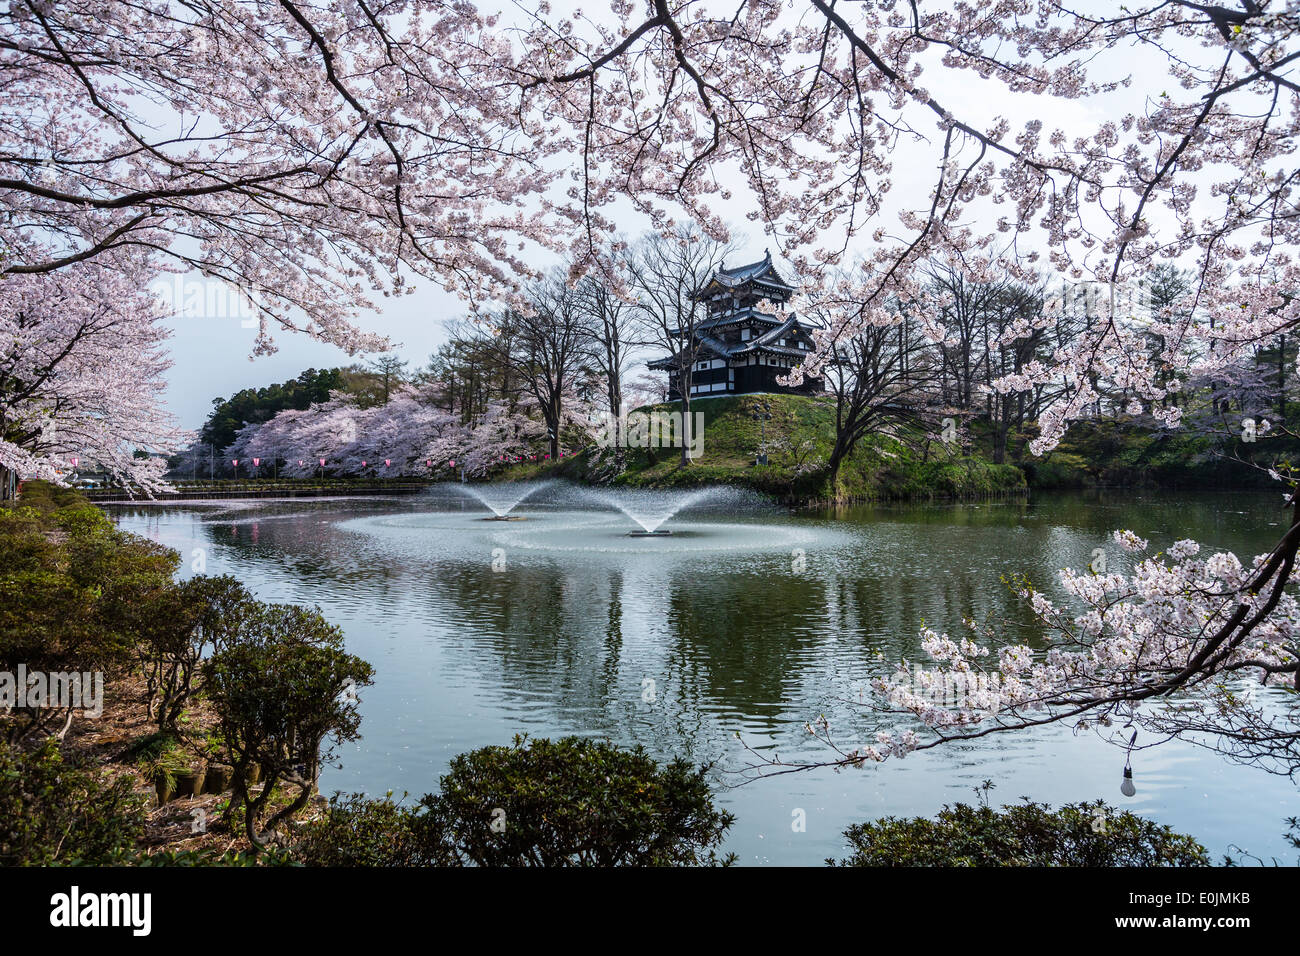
55 812
357 831
1028 834
280 692
46 497
183 624
204 857
575 802
70 588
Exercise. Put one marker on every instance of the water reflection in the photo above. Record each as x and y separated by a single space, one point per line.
750 624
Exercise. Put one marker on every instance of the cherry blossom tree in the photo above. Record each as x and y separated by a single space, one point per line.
508 433
1199 626
312 155
410 436
390 440
498 437
82 358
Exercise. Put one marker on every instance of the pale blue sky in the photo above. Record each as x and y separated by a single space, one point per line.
210 355
210 349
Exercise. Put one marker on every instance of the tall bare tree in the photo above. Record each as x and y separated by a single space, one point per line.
611 321
884 379
549 348
665 270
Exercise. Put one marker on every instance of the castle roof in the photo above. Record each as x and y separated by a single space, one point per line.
743 316
764 272
711 347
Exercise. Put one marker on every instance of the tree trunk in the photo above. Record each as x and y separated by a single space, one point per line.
614 395
1000 443
838 454
553 425
1281 378
686 427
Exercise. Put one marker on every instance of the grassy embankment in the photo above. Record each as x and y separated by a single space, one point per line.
1122 454
799 436
1113 453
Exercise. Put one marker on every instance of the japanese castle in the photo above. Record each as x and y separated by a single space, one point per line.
737 347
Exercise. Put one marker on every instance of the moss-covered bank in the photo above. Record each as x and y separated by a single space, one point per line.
798 438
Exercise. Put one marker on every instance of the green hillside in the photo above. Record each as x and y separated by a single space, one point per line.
799 435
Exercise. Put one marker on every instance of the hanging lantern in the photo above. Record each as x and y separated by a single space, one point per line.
1126 786
363 464
388 462
428 463
299 462
453 463
257 462
322 462
235 462
74 463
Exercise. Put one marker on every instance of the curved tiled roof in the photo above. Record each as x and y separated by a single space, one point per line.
764 271
713 347
737 317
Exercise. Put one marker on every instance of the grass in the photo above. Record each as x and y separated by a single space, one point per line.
799 437
1124 454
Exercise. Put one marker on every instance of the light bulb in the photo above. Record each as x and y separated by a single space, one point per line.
1127 787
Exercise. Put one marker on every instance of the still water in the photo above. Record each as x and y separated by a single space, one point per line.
719 643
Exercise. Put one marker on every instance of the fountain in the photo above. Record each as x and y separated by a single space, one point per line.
607 523
650 508
503 498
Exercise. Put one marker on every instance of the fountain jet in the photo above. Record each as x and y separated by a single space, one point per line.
501 499
650 508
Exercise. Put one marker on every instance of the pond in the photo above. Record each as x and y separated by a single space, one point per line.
719 642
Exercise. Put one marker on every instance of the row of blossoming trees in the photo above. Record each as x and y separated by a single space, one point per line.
319 155
509 385
409 436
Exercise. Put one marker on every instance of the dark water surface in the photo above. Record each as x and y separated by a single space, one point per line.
746 620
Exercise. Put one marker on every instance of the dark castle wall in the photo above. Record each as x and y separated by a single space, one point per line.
749 378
